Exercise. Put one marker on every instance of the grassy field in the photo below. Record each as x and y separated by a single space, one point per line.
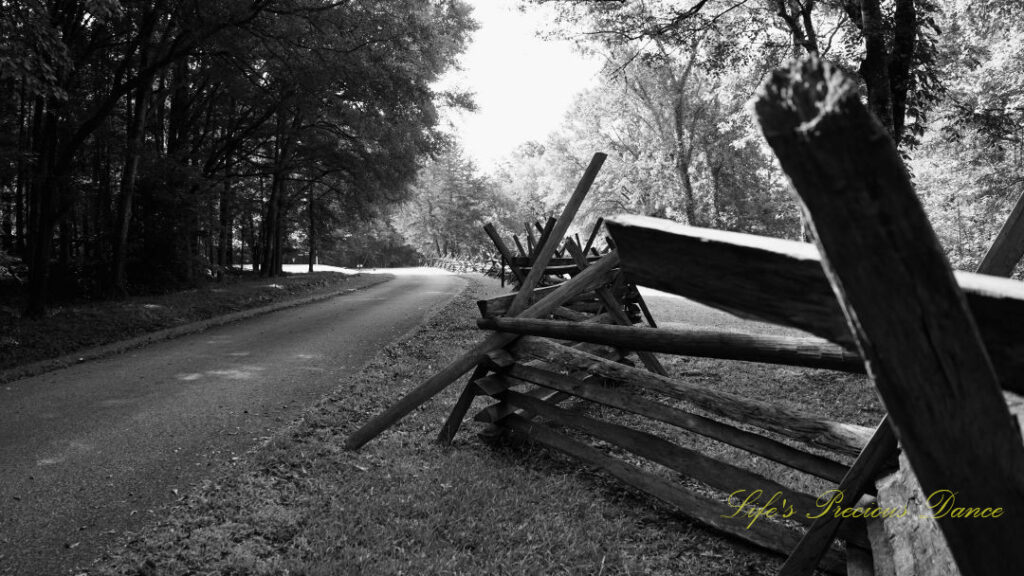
85 324
405 505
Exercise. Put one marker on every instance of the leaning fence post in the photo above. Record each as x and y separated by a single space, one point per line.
910 319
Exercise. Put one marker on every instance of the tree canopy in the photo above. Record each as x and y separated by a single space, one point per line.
145 139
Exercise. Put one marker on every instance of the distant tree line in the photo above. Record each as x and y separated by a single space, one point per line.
152 141
945 77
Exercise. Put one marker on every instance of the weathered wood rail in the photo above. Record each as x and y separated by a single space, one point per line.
876 295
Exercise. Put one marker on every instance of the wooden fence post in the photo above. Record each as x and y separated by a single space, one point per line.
909 317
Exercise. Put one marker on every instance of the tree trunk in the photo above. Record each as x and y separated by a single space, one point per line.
226 224
135 137
312 235
874 69
684 157
270 232
901 61
24 143
43 205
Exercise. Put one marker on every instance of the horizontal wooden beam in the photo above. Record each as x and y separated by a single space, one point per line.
715 473
627 400
767 534
499 305
438 382
782 282
690 341
882 448
847 439
556 270
525 262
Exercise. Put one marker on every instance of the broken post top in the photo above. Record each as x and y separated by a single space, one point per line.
919 340
798 97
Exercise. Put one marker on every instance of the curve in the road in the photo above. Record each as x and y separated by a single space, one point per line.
97 449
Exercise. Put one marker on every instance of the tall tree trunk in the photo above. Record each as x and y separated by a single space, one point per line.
21 187
43 206
874 69
683 150
716 193
270 234
683 169
135 136
104 215
226 223
312 234
65 233
901 62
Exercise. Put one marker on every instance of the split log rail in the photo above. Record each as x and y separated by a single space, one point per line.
875 296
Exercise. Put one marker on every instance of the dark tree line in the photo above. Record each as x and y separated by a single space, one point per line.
152 141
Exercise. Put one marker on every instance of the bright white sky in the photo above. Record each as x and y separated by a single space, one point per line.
523 84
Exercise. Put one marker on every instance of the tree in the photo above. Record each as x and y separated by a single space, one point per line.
450 204
971 170
143 134
680 146
891 45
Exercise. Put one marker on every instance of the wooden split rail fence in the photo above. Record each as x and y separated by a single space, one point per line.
875 294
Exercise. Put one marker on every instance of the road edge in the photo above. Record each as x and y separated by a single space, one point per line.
43 366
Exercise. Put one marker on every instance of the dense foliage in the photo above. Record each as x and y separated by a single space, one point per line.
946 77
157 140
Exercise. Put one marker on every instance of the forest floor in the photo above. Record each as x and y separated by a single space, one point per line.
86 324
403 504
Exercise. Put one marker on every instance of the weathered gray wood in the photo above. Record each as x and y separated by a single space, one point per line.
845 438
495 386
881 549
499 305
645 310
714 473
1008 247
545 233
767 279
525 262
782 282
910 318
768 535
818 539
561 226
692 341
477 354
624 399
556 270
504 251
593 235
913 542
1000 260
569 314
614 307
462 405
858 562
523 253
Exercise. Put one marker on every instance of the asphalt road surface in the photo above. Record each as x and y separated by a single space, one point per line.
97 449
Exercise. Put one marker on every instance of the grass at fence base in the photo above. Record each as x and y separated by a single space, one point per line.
404 505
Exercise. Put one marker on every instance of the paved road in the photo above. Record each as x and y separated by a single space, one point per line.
97 449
